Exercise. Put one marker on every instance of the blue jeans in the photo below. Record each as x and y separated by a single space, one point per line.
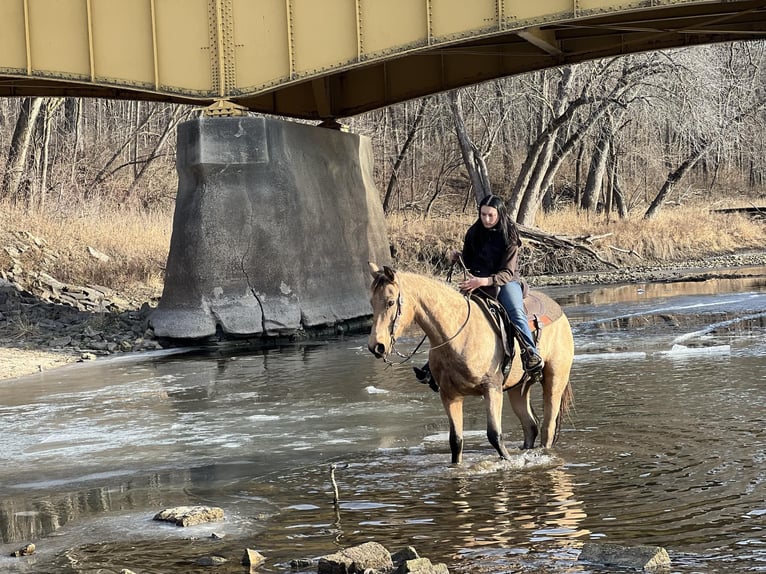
512 299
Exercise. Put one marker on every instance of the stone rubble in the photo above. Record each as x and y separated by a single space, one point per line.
374 558
37 311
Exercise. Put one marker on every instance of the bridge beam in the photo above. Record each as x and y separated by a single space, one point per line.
543 39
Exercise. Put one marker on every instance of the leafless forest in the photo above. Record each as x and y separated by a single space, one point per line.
627 135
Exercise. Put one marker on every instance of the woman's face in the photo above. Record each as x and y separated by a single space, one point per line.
488 216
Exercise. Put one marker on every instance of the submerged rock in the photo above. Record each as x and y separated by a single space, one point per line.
420 566
212 560
27 550
638 557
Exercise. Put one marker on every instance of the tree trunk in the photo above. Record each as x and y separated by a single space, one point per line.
21 145
402 153
596 172
175 117
51 105
673 178
472 158
525 213
73 125
105 172
532 174
578 173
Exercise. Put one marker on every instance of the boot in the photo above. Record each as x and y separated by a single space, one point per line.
424 375
533 362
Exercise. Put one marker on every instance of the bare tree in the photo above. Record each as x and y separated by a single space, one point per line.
20 149
473 158
403 152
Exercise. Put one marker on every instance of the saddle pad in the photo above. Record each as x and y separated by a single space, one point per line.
539 305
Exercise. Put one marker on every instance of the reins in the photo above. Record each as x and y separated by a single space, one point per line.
399 313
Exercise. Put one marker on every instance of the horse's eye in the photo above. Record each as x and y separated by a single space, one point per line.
391 303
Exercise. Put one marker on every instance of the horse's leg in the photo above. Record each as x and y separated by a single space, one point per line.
554 386
493 399
523 409
454 408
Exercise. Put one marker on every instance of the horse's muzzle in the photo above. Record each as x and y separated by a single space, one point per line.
379 350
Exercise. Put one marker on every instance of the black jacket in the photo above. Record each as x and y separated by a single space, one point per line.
486 254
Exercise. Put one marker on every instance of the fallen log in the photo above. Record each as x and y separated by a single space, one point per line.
549 240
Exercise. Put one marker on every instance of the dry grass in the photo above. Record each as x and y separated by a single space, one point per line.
675 234
136 243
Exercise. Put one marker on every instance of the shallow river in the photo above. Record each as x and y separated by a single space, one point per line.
666 447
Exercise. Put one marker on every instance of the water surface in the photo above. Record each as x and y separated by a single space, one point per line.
666 447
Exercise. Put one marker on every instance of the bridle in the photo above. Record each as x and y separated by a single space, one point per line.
395 323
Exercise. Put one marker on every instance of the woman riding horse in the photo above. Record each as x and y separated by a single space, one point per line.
467 355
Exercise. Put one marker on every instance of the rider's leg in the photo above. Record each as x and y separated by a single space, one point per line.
512 299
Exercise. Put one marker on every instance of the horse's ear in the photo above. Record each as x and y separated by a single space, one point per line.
374 269
389 273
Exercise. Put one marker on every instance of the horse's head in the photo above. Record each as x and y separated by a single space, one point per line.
386 301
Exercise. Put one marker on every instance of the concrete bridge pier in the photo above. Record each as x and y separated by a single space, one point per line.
273 227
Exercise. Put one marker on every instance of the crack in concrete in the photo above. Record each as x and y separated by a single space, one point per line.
250 285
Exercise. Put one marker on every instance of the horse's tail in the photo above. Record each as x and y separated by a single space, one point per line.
567 399
567 405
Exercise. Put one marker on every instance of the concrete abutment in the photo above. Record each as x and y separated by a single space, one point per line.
273 227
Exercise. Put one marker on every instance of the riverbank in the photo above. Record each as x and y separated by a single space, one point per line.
37 336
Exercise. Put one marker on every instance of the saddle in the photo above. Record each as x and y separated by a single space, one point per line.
541 310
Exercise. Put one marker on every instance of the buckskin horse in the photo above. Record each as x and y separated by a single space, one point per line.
467 354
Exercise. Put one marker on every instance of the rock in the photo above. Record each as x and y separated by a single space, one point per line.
638 557
421 566
60 341
356 560
190 515
87 357
27 550
96 254
299 563
408 553
126 571
211 560
253 558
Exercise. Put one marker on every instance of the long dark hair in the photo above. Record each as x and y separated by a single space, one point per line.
504 222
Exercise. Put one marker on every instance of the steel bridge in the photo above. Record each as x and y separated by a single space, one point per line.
319 59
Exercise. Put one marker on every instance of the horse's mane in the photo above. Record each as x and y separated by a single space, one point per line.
432 292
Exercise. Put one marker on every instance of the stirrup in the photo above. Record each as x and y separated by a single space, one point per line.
507 364
533 362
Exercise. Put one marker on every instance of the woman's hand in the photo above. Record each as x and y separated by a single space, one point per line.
473 283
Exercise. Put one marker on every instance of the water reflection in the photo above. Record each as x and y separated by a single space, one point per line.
541 505
639 290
